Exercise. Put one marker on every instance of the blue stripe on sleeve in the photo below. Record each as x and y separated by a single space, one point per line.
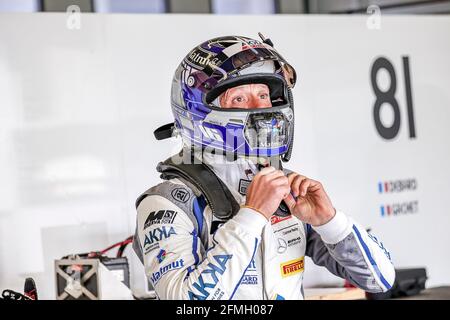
194 247
198 212
372 261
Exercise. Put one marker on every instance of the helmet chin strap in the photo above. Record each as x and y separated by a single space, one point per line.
263 162
287 156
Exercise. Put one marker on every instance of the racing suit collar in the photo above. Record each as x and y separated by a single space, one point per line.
235 174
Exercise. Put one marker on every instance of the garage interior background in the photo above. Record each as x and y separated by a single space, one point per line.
79 100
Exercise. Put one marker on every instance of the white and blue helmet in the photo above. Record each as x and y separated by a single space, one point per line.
217 65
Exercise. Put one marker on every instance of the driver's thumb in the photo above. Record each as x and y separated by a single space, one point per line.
290 201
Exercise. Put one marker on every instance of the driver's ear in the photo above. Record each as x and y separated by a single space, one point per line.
216 102
222 99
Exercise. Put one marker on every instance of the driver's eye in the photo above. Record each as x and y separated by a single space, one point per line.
238 99
263 96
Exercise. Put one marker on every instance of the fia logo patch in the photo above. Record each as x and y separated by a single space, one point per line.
181 194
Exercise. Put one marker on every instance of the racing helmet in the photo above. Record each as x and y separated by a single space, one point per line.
209 70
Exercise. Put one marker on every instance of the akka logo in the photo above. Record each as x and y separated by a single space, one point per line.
161 255
292 267
158 234
399 208
276 219
396 186
208 279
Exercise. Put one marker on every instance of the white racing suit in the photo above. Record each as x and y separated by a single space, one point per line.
247 257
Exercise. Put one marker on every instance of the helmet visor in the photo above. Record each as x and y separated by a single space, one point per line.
267 129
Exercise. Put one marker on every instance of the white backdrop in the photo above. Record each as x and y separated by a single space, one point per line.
78 108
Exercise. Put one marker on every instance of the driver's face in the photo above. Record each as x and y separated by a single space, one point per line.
247 96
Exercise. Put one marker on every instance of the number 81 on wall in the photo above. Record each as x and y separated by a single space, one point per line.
388 97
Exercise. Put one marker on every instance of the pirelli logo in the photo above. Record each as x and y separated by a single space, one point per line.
292 267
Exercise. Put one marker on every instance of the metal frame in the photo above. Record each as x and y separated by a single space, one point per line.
94 263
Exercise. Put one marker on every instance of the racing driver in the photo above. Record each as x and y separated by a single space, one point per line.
228 221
